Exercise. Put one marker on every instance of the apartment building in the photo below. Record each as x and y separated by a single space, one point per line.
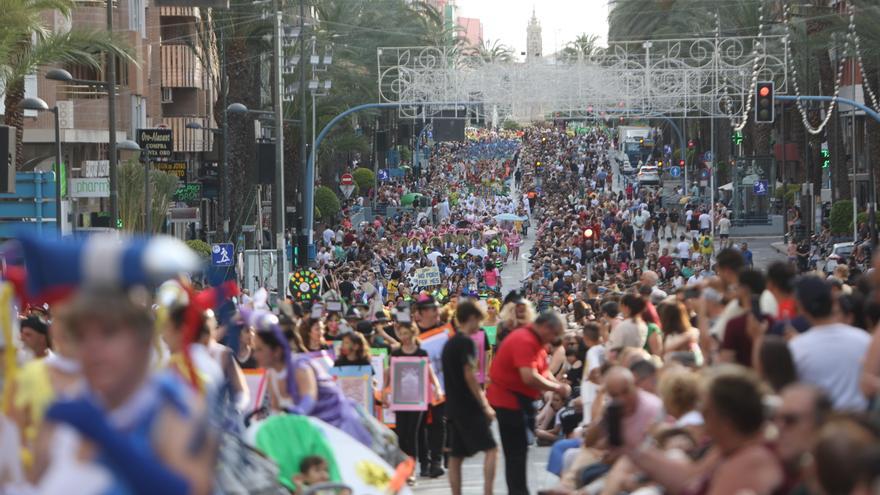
168 87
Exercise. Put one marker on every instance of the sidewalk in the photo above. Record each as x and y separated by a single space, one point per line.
780 247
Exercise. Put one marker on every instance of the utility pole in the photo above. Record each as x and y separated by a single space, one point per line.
224 152
308 184
852 153
278 193
111 117
259 232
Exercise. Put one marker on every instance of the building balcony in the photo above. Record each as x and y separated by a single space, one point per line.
192 12
181 67
190 140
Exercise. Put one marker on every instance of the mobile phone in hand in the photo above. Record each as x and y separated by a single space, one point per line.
613 422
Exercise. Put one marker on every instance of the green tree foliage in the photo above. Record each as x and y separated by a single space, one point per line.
364 178
840 218
510 125
28 42
200 247
582 48
489 51
131 196
327 202
355 29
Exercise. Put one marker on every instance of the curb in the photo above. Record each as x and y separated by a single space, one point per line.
779 247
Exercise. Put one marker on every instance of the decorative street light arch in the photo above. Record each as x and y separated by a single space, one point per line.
681 78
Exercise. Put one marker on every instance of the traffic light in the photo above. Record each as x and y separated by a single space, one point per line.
681 163
764 99
826 158
660 163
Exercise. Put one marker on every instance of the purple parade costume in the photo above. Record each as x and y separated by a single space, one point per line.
330 405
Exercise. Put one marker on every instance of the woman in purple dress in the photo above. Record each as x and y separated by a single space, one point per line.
299 387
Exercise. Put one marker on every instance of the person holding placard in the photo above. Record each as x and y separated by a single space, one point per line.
407 423
427 311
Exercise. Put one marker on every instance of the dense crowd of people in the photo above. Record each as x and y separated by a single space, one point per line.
643 348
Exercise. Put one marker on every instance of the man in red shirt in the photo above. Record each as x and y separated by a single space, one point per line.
518 377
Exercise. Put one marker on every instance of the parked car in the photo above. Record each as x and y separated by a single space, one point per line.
648 175
840 252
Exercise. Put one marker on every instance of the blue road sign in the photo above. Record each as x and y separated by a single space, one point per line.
383 174
761 188
667 150
704 174
222 254
708 156
675 171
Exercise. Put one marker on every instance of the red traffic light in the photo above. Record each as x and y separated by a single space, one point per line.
681 163
764 91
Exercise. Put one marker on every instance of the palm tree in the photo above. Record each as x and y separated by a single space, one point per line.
583 47
489 51
28 43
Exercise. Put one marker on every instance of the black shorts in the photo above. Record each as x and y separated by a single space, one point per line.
470 435
724 236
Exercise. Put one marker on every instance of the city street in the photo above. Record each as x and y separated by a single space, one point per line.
303 214
472 474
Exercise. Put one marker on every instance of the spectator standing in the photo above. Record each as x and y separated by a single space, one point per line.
829 354
518 376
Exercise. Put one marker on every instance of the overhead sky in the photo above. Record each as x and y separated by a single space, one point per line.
561 20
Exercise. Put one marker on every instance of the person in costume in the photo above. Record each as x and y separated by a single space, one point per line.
38 383
297 386
106 439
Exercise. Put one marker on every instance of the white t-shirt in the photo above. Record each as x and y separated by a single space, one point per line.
724 226
705 221
684 250
328 236
433 255
830 357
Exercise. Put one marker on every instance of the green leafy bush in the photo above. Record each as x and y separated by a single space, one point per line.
840 218
327 203
200 247
510 125
364 178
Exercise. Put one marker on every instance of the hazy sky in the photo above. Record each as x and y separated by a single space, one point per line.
561 20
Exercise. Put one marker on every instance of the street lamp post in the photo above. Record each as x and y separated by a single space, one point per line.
40 105
109 85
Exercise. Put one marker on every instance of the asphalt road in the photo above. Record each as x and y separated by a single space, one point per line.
763 253
472 474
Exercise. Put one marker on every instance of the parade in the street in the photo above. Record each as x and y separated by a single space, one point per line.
370 247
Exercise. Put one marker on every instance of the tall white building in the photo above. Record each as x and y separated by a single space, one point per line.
533 39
